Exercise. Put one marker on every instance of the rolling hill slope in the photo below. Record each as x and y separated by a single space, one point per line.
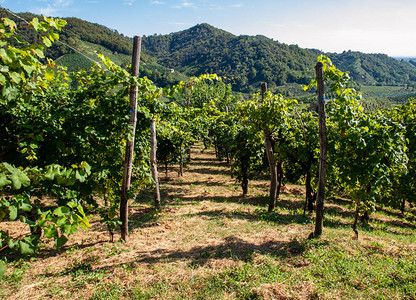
244 60
252 59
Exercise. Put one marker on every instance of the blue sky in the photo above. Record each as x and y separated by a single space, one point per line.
370 26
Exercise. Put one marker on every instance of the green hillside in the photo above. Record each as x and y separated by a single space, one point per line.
92 39
75 61
245 60
374 68
248 60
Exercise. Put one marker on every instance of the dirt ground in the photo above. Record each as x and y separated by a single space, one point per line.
175 236
205 227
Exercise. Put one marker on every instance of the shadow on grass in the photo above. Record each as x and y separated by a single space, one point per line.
197 184
233 248
206 171
291 213
399 223
403 221
47 253
205 160
252 200
394 212
237 214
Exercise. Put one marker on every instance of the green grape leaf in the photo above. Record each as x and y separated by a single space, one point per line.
8 22
10 93
35 23
81 175
39 52
2 215
72 204
12 244
61 211
29 68
61 221
67 229
27 221
47 41
49 231
59 242
74 228
50 174
3 269
85 224
12 213
15 77
25 206
61 180
87 167
3 180
53 36
49 74
2 79
18 179
26 248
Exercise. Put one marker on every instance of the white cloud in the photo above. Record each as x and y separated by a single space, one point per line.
157 2
46 11
129 2
63 3
237 5
53 8
185 4
214 6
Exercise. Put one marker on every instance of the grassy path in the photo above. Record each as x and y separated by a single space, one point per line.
210 242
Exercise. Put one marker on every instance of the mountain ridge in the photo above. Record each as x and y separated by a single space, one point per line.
246 60
253 59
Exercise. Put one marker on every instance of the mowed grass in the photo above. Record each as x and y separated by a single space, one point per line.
210 242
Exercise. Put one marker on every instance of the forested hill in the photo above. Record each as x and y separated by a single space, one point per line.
374 68
74 32
90 39
252 59
245 60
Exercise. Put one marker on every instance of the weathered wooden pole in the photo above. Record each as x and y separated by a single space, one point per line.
263 89
153 162
128 161
188 105
268 143
323 141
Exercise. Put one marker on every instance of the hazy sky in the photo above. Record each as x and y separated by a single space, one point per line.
370 26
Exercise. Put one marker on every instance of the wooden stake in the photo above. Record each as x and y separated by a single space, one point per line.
274 180
263 89
323 141
153 162
128 161
268 143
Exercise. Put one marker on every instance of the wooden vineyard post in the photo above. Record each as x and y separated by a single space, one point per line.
188 105
153 162
263 89
128 161
323 141
268 143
